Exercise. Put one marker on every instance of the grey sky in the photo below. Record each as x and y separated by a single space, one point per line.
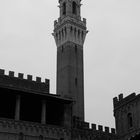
111 49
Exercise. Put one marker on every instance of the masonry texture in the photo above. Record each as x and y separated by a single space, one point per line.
127 115
29 112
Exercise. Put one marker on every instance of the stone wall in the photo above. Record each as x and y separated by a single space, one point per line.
21 130
127 114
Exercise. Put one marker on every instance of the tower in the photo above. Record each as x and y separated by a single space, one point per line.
127 114
69 33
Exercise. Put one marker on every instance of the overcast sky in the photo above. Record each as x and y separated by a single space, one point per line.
111 50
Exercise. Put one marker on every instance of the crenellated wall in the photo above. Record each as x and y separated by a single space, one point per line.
120 100
23 84
82 130
19 130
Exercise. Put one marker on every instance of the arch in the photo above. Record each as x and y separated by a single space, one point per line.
74 7
78 33
64 8
130 120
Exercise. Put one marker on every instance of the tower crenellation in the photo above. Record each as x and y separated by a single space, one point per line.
121 101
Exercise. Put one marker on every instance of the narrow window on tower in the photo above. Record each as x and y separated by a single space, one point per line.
74 7
64 8
130 120
76 82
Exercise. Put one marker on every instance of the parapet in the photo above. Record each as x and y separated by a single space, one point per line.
120 100
94 128
20 82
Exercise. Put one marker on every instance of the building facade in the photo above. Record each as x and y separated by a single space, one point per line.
29 112
127 115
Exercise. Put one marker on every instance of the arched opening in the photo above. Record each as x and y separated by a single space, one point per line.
74 7
64 8
78 34
130 120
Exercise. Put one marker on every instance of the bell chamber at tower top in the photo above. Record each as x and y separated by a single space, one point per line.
70 8
69 26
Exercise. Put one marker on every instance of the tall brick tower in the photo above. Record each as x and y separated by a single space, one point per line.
69 33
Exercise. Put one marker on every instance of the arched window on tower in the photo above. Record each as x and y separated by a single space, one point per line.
74 7
130 120
64 8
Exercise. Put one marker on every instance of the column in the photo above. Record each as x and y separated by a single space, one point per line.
17 110
43 114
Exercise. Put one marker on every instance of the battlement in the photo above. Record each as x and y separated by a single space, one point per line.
20 82
120 100
95 128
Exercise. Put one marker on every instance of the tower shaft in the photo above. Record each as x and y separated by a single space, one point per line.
69 34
